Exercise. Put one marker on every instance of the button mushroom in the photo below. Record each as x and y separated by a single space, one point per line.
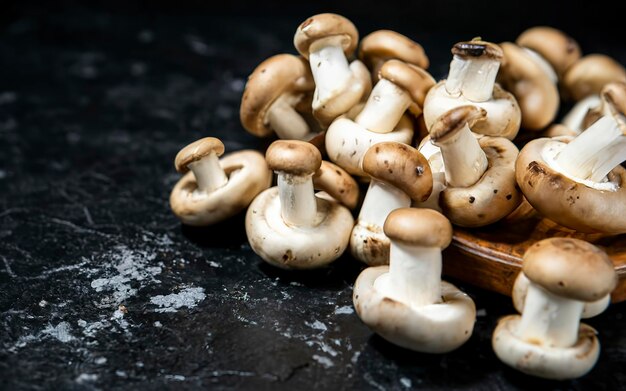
579 184
479 173
399 174
554 46
215 189
471 81
272 92
382 45
401 86
288 226
588 75
326 40
406 302
548 340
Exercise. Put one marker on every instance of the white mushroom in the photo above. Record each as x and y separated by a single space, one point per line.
548 340
406 302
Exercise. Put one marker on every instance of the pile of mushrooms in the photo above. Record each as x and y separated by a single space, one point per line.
377 158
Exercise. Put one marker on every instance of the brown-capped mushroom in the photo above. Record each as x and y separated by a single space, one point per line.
548 340
588 75
215 189
471 81
288 226
553 45
272 92
382 45
327 40
399 174
406 302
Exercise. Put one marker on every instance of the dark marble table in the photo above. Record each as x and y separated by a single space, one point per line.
102 288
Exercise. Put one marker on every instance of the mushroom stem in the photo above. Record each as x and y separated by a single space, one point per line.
415 274
379 201
209 174
474 78
384 108
548 319
329 67
297 199
595 152
463 158
285 120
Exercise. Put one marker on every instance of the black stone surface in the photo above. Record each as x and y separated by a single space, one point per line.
102 288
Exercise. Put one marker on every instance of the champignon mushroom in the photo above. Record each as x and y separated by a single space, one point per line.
288 226
554 46
399 174
588 75
479 173
382 45
406 302
402 86
216 189
579 184
548 340
326 40
337 183
272 92
573 121
471 81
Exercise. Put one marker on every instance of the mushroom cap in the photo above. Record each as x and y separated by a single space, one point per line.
478 48
414 80
322 26
559 49
196 151
387 44
290 247
536 94
418 227
566 201
588 75
278 75
435 328
401 166
574 119
503 113
293 157
494 196
369 244
452 122
335 181
613 100
248 175
548 362
570 268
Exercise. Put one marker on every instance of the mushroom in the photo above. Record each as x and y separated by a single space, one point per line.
272 92
433 154
382 45
548 340
471 81
402 86
287 225
399 174
479 173
337 184
554 46
573 120
406 302
579 184
326 40
589 74
216 189
520 290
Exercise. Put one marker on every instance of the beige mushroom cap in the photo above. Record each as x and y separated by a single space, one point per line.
567 202
293 157
335 181
478 48
401 166
570 268
322 26
278 75
536 94
196 151
559 49
418 227
382 45
613 100
414 80
590 74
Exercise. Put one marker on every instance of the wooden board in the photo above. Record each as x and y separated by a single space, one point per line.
490 257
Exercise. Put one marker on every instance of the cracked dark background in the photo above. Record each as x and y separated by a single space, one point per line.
102 288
